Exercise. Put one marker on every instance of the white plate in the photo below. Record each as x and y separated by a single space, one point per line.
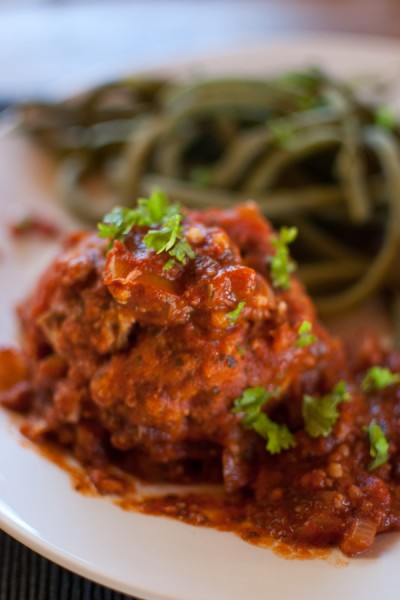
152 557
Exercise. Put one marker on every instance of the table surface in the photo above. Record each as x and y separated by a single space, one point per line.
54 48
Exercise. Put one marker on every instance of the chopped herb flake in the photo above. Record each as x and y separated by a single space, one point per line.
251 402
281 264
320 413
162 240
169 264
117 223
305 337
182 250
378 378
233 315
278 436
379 447
163 218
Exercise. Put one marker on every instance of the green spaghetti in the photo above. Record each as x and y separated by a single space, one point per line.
303 145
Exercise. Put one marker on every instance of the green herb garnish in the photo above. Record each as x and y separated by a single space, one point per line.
379 446
385 118
378 378
278 436
169 264
320 413
182 249
163 239
281 264
163 218
233 315
305 337
251 402
154 210
117 223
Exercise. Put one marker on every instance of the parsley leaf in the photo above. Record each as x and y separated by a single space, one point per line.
153 210
379 447
305 337
234 314
162 240
251 402
117 223
281 264
169 264
182 249
321 414
163 218
150 211
278 436
170 239
378 378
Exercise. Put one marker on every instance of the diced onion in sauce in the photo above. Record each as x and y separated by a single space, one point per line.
360 537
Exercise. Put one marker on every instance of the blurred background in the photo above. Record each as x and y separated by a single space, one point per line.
54 47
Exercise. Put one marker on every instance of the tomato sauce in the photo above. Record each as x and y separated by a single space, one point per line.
134 370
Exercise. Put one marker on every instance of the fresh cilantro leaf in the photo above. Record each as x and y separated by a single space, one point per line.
320 413
162 240
251 402
305 337
153 210
379 446
233 315
163 218
170 239
281 265
385 118
117 223
182 250
169 264
378 378
278 436
150 211
241 351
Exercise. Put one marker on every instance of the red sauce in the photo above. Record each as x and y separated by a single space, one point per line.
203 509
34 225
134 369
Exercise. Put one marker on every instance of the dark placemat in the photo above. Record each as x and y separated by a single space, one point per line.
24 575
